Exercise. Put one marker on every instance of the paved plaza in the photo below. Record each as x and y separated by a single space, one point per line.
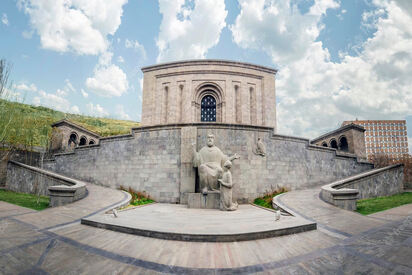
53 241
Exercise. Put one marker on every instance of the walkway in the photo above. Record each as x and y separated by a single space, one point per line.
53 241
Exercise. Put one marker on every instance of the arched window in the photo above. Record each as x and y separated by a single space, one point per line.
333 144
72 139
91 142
324 144
208 108
343 144
83 141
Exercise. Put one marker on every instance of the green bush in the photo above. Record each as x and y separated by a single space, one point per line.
266 200
138 198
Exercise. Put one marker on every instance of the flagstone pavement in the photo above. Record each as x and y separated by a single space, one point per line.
53 241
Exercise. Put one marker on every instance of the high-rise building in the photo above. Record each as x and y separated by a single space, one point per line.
387 137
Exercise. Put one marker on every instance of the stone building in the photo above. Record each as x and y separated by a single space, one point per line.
348 138
184 102
387 137
209 91
68 135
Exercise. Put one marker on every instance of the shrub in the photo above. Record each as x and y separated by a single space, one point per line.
138 198
266 199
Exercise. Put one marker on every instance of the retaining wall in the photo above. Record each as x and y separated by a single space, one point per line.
384 181
158 160
28 179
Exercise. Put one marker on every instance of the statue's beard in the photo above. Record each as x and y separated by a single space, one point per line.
210 144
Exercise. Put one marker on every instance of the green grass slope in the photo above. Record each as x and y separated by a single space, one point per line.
27 125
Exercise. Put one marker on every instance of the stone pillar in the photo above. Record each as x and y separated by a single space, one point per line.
187 172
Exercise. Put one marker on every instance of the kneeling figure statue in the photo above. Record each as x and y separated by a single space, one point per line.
226 185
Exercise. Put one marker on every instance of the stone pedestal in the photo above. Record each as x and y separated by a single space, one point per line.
211 200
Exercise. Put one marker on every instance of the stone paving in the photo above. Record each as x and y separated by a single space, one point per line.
54 242
178 222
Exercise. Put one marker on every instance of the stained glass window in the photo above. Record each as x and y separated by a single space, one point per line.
208 108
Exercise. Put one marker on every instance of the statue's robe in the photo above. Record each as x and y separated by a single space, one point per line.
226 185
209 161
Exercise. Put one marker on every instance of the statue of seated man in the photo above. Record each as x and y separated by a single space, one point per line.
209 161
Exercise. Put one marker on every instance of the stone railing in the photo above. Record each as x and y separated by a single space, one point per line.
375 183
28 179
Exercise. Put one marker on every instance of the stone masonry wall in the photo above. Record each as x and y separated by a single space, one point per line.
289 162
21 179
385 183
157 160
145 161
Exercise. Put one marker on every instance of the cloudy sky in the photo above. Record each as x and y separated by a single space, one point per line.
337 60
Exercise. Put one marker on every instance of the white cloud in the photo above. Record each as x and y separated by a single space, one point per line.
84 94
108 80
69 86
27 34
120 59
5 19
130 44
121 113
61 93
80 26
187 32
26 88
315 94
55 101
75 109
278 27
96 110
141 83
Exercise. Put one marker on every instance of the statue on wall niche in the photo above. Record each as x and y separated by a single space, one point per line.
209 161
260 148
226 185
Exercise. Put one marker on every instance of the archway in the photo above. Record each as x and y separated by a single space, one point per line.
324 144
72 139
333 144
208 102
208 109
83 141
91 142
343 144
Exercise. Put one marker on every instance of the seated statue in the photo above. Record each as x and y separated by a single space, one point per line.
209 161
226 185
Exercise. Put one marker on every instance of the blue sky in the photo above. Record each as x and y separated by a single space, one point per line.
337 60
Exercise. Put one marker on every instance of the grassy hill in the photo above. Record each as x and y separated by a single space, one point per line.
27 125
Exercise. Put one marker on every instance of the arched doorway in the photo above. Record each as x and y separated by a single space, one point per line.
343 144
333 144
208 109
324 144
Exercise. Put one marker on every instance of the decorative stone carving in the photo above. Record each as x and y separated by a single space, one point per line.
209 161
226 185
260 148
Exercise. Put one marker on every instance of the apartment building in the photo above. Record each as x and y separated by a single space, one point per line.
388 137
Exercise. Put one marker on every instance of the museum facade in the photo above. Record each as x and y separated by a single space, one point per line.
209 91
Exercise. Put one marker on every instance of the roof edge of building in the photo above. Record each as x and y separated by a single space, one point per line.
223 62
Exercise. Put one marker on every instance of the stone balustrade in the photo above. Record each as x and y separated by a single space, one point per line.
28 179
344 193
